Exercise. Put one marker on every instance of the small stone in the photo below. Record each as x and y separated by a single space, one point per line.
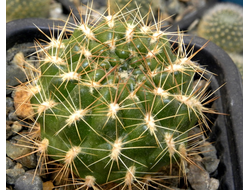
13 174
8 131
48 185
12 116
196 138
9 105
198 177
9 163
210 164
16 127
208 150
214 184
15 151
28 182
13 70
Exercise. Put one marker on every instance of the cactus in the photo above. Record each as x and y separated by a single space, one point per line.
238 60
223 25
144 5
114 101
17 9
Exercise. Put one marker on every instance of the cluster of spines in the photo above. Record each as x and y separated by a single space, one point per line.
111 87
144 6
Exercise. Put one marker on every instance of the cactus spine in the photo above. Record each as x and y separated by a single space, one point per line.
114 101
145 6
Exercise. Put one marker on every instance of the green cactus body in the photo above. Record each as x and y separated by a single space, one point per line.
17 9
223 25
144 5
114 102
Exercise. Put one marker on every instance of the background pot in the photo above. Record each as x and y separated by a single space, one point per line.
227 130
183 24
25 30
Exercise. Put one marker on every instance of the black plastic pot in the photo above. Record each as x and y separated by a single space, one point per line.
188 19
25 30
227 130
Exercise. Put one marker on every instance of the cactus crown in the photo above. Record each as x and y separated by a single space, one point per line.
115 101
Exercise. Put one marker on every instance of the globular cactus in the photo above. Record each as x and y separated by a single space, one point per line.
238 60
17 9
115 101
223 25
146 6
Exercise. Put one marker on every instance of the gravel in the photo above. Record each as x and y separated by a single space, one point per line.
14 70
199 177
9 163
29 182
9 132
15 151
13 173
14 66
210 164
